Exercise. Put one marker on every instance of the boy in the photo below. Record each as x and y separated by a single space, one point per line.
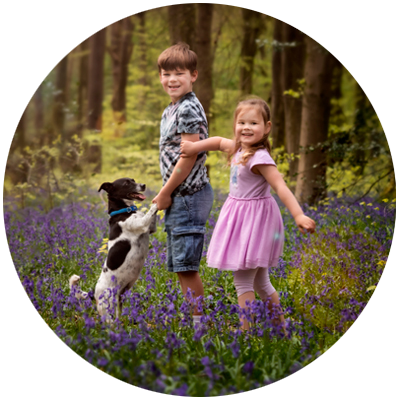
186 195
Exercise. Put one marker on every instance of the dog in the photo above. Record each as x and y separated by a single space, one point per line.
128 245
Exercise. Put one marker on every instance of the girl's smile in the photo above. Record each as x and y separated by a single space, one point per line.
250 127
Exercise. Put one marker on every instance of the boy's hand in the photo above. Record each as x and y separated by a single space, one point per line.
163 201
187 149
305 224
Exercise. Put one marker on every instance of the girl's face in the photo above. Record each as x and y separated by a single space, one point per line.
250 127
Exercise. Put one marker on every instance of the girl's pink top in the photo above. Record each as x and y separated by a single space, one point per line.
246 184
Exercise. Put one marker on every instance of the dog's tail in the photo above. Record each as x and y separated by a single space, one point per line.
75 288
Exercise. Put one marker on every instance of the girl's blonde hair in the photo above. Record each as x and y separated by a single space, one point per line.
264 142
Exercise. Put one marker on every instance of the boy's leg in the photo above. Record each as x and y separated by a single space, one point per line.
185 225
192 280
199 206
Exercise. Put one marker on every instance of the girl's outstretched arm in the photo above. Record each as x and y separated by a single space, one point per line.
215 143
274 178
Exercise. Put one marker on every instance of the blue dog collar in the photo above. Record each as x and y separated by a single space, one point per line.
124 210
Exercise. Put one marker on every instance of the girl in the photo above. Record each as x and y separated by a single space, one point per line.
248 237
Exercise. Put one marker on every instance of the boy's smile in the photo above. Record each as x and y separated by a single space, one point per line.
177 82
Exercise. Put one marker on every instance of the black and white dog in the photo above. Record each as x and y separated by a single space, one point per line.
128 245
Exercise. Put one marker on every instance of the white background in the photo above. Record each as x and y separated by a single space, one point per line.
35 35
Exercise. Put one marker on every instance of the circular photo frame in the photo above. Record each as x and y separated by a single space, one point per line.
95 118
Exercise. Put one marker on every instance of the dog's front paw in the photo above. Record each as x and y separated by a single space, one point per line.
73 281
153 208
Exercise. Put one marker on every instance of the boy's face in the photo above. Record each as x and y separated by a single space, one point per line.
177 82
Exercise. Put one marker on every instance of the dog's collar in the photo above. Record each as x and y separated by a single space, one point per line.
124 210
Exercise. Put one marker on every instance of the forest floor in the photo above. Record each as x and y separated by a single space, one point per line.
324 280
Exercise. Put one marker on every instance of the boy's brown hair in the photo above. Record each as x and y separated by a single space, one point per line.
179 57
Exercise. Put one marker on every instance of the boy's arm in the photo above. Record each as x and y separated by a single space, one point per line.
188 148
179 174
274 178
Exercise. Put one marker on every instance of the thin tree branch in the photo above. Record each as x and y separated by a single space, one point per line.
361 178
370 188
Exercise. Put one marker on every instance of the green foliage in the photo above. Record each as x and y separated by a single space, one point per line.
219 170
42 178
359 159
327 274
297 94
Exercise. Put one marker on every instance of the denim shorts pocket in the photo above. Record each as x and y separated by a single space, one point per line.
187 245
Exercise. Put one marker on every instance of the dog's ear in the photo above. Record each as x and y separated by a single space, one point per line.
106 186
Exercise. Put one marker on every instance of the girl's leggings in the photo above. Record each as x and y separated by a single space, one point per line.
251 280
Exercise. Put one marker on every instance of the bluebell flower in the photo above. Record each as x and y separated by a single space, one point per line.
248 367
102 362
181 390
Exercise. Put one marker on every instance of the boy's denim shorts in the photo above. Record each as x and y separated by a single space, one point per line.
185 224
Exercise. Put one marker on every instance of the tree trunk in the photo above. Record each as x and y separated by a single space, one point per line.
337 116
19 141
17 169
39 114
292 71
70 73
121 50
60 99
203 85
142 49
95 82
83 85
182 18
277 110
252 27
311 180
95 94
361 115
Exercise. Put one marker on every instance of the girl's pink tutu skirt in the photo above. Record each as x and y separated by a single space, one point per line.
248 234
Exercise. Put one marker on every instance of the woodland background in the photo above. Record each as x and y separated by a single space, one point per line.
96 115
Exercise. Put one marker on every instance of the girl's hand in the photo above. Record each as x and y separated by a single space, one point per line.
305 224
187 149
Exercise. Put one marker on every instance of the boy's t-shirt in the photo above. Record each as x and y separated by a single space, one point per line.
185 116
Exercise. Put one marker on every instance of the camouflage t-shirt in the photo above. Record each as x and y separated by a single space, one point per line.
185 116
